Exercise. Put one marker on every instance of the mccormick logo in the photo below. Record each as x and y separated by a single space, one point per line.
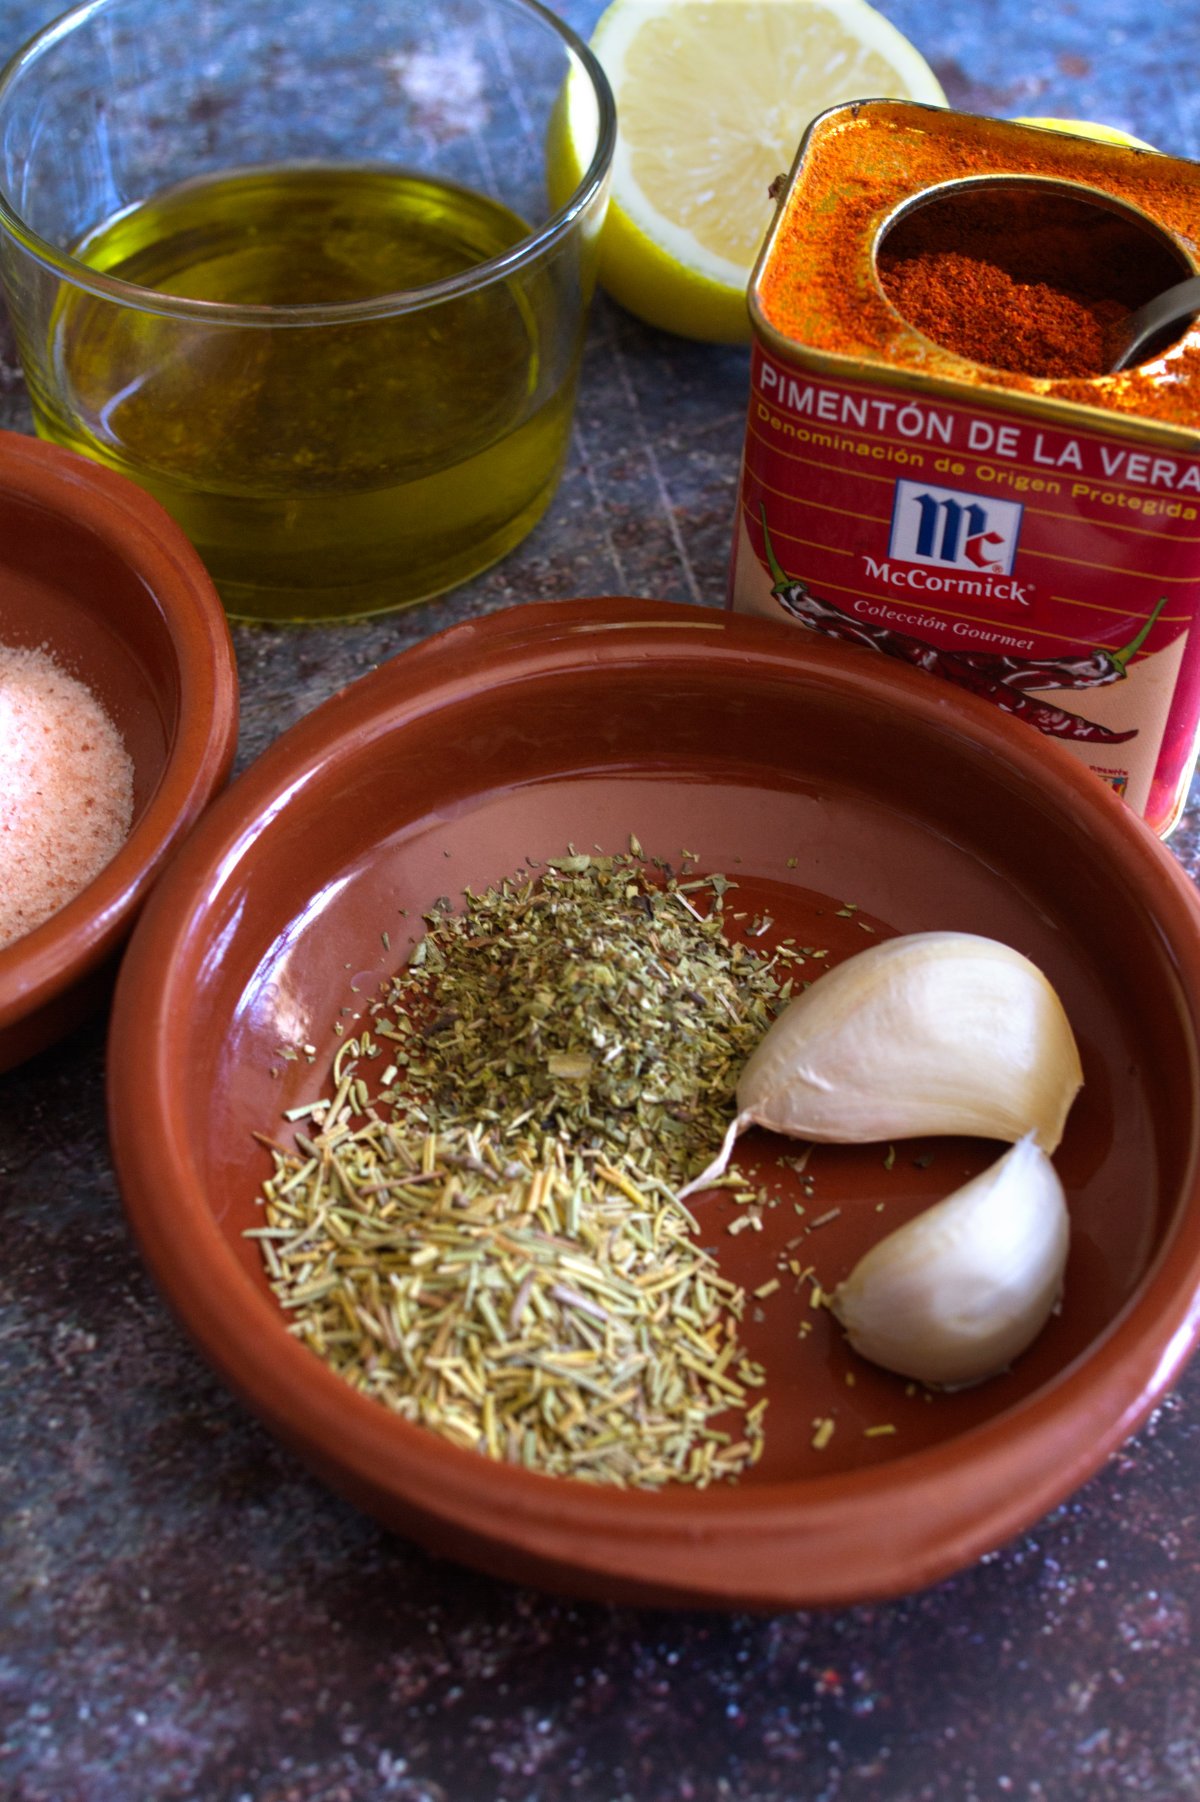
950 530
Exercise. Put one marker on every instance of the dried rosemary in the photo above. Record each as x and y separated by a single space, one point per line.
489 1241
549 1314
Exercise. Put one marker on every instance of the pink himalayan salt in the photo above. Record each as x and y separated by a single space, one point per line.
66 790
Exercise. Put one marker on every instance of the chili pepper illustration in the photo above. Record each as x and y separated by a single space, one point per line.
1054 721
1000 679
1094 671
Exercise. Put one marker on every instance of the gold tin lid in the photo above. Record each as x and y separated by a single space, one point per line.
862 172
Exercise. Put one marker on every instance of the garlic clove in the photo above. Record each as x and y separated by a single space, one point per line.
956 1294
935 1032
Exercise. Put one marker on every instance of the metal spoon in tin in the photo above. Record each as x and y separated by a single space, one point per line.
1158 323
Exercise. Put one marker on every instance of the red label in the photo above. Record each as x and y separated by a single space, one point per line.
1054 572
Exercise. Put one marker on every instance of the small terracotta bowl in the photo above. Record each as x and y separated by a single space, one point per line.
847 797
94 572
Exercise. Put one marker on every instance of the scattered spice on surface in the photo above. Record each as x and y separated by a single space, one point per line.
66 789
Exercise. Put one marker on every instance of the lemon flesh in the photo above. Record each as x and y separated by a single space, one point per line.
1107 134
1087 128
713 97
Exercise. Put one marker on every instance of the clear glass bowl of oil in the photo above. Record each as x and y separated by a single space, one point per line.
293 270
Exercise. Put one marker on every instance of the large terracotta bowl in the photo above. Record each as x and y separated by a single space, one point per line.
93 571
817 777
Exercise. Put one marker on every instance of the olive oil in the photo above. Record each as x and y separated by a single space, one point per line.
323 467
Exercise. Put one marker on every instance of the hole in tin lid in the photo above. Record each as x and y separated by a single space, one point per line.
1032 277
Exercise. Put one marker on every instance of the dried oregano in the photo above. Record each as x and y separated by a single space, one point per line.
488 1239
600 1004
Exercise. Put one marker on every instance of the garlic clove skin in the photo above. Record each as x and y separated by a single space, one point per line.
934 1032
955 1295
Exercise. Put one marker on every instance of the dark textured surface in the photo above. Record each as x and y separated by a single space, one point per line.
184 1613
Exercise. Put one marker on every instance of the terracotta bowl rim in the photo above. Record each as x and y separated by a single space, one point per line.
36 969
764 1545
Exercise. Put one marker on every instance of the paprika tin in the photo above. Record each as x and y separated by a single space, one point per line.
959 484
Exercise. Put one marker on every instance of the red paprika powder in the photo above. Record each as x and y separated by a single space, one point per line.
938 467
1035 283
875 166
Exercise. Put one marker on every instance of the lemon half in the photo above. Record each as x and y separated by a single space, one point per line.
1086 128
713 97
